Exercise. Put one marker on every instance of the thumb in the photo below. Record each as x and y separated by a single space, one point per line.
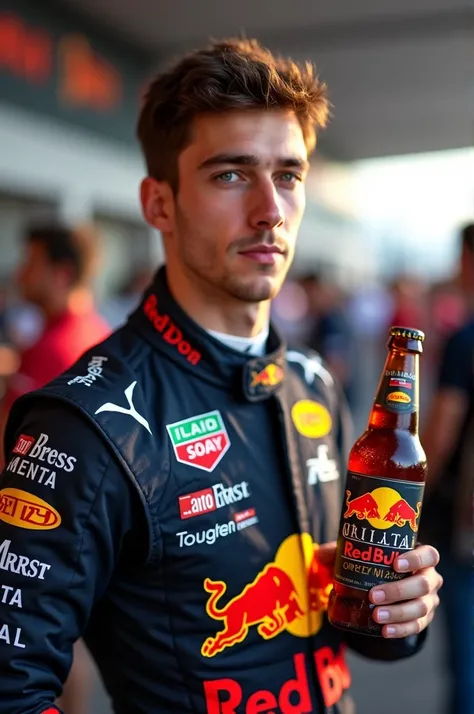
326 553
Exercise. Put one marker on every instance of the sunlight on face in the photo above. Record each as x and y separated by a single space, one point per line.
240 202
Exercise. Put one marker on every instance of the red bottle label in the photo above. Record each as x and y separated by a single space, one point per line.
379 522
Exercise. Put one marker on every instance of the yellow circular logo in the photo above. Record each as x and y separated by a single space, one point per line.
399 397
25 510
311 419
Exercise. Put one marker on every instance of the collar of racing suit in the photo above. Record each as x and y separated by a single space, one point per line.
164 325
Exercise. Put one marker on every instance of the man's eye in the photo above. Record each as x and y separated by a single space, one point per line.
290 177
228 177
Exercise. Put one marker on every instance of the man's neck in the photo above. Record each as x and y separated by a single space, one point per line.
216 311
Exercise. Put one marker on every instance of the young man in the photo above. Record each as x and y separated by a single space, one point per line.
448 513
198 461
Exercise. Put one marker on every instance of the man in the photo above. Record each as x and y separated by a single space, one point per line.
197 460
55 276
448 511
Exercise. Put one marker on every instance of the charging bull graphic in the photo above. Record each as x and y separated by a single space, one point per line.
364 506
383 507
401 512
276 600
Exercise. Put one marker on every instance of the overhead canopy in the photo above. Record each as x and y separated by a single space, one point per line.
400 74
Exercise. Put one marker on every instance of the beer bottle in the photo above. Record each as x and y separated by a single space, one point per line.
384 489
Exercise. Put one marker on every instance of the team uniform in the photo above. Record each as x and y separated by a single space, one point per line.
165 498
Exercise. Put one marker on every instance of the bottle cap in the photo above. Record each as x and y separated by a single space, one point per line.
408 333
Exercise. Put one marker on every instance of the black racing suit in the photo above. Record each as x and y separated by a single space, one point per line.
165 499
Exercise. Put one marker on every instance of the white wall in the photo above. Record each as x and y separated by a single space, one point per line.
39 157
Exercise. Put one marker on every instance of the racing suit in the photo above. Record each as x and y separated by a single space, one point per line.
165 499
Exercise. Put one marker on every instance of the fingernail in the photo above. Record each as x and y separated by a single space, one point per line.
383 615
403 564
378 596
390 631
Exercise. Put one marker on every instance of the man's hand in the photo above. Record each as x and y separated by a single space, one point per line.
408 605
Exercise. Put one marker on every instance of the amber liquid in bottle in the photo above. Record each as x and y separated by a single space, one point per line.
384 490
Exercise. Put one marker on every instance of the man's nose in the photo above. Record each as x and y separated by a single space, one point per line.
266 212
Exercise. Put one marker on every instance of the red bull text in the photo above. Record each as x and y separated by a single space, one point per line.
225 696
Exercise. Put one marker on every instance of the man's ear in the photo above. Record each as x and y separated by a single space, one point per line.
157 204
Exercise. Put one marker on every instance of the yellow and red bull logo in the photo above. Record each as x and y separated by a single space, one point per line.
383 508
24 510
289 594
311 419
269 377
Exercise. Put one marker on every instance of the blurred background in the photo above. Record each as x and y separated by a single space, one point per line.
390 186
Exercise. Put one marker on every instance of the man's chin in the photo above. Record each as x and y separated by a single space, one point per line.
257 290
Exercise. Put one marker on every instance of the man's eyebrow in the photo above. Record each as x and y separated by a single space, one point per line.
286 162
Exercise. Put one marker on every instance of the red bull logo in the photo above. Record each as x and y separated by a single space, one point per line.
289 594
364 506
268 377
383 508
401 512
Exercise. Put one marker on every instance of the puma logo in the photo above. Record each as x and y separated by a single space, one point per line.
110 407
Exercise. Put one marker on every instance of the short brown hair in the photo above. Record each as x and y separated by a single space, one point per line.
227 75
64 245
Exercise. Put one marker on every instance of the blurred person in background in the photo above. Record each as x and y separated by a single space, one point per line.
55 276
329 332
447 519
189 432
116 308
409 303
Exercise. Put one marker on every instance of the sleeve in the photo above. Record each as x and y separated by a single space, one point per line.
65 508
456 364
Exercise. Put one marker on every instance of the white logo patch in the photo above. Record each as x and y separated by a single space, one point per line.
131 411
321 469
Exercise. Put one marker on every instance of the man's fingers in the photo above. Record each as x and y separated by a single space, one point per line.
406 611
404 629
425 556
415 586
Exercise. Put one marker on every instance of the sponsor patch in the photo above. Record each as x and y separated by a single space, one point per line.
94 371
23 444
24 510
200 441
242 520
212 498
311 419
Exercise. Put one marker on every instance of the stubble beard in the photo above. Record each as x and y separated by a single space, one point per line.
263 286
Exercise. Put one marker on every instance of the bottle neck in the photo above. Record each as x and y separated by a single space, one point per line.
396 404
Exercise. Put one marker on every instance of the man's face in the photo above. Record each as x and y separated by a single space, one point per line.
240 202
37 276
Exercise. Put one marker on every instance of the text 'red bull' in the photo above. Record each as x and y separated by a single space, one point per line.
225 696
170 332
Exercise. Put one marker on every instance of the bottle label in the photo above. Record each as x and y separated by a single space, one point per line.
379 522
397 393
